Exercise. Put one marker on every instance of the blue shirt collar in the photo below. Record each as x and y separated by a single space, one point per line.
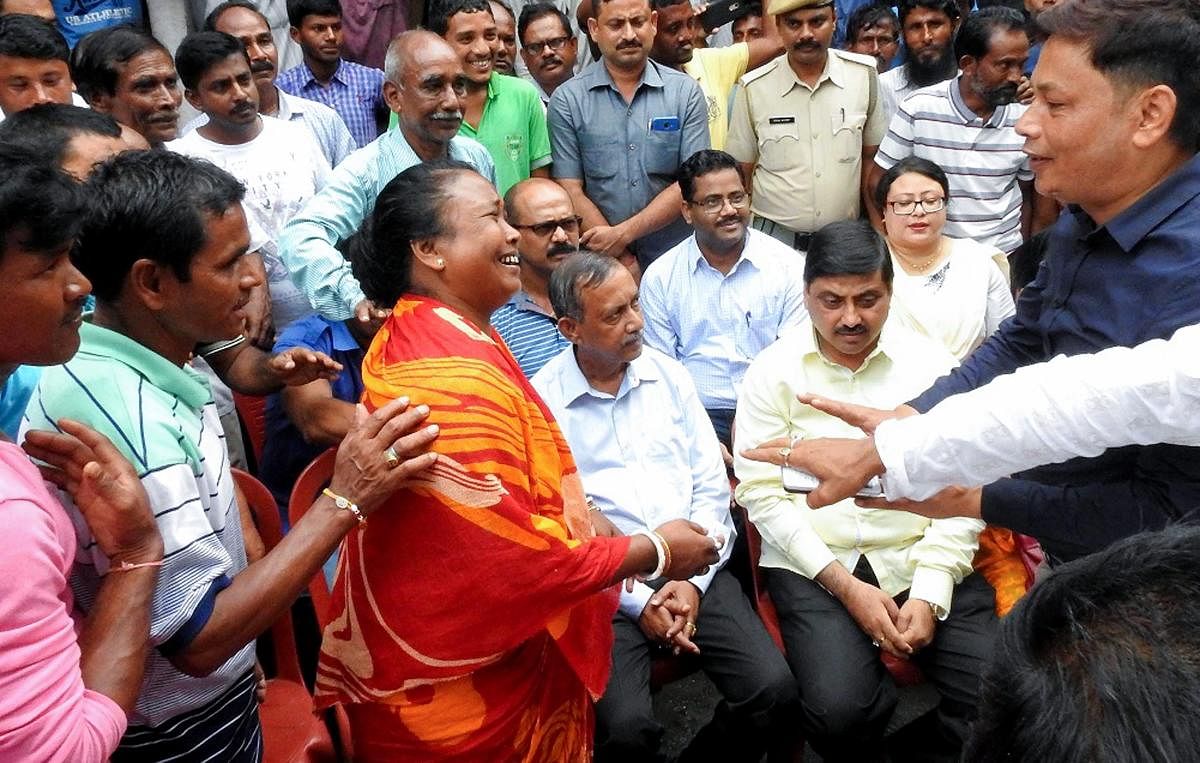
340 337
597 75
337 73
1160 202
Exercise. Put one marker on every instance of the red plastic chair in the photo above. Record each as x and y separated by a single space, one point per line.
307 489
252 410
293 732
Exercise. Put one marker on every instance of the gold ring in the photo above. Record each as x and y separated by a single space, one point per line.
693 627
393 458
784 453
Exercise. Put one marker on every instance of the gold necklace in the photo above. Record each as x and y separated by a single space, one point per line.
927 264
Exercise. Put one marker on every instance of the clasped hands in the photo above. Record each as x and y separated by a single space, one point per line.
842 465
669 618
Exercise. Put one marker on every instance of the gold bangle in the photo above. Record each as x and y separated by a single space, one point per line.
345 503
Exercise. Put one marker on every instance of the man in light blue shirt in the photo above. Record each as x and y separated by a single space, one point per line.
647 453
722 295
424 87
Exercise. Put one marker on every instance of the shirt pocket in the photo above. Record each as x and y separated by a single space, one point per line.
661 155
847 136
600 160
777 143
756 332
667 460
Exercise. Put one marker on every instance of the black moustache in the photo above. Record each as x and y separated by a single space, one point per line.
855 331
557 249
805 46
626 45
261 66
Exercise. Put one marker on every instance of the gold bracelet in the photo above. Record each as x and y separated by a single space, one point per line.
345 503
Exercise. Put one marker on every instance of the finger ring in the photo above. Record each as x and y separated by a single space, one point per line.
693 629
784 453
392 457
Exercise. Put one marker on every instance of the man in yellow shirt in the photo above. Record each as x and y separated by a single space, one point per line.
716 69
849 581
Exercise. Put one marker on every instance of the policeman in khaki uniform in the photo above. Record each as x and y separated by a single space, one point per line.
805 126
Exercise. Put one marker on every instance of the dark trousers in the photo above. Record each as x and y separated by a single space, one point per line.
759 696
846 693
722 421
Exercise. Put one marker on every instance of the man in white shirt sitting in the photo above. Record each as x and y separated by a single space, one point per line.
847 581
647 453
722 295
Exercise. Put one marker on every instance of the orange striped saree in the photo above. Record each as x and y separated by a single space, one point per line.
471 614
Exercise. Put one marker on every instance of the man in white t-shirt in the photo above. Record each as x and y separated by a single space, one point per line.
278 162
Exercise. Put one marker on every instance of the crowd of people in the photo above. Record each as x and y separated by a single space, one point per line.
586 295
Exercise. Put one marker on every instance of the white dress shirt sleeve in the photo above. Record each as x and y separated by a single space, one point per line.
1047 413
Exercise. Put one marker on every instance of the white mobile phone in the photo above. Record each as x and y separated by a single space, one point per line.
800 481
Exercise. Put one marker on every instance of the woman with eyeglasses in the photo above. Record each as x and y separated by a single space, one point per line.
953 290
950 289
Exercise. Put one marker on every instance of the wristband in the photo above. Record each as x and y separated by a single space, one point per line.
345 503
659 549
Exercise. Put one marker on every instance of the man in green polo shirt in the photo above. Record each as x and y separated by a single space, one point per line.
505 114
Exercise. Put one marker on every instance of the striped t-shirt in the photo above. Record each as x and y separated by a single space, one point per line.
162 418
983 160
532 336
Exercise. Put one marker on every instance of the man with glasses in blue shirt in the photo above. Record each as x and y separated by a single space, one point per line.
548 47
723 294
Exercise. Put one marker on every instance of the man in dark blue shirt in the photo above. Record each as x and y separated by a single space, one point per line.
1112 133
1117 143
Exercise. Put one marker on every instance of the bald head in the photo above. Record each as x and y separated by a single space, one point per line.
545 217
529 195
411 49
424 86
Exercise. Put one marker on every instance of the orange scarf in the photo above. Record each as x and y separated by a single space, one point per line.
483 566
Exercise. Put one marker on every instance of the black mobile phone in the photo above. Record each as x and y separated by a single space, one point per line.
799 481
721 12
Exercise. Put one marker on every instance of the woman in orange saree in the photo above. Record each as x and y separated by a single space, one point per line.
473 622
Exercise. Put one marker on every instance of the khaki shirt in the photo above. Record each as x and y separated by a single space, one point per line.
807 142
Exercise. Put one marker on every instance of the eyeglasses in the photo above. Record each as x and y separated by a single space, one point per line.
554 43
714 204
928 206
570 225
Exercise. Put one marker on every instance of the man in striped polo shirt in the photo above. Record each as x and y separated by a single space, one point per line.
165 251
542 211
966 126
